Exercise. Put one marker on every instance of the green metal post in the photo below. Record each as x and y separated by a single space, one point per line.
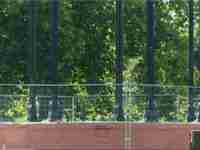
151 114
32 6
191 115
119 59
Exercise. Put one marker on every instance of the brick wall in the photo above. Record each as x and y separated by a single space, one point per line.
87 136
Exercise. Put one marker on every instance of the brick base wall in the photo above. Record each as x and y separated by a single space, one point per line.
87 136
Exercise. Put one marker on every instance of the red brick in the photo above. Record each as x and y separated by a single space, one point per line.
96 136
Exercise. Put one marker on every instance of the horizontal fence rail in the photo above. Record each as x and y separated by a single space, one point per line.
78 103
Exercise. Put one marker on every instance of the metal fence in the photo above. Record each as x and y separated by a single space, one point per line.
75 103
43 37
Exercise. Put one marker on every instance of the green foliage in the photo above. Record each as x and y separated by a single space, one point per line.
14 107
87 53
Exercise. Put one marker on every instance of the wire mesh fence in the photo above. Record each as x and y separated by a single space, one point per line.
79 103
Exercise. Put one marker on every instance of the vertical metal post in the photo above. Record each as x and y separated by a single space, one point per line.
150 79
119 59
54 41
53 73
73 109
191 115
32 58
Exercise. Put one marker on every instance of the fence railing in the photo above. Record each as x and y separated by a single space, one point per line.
77 103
